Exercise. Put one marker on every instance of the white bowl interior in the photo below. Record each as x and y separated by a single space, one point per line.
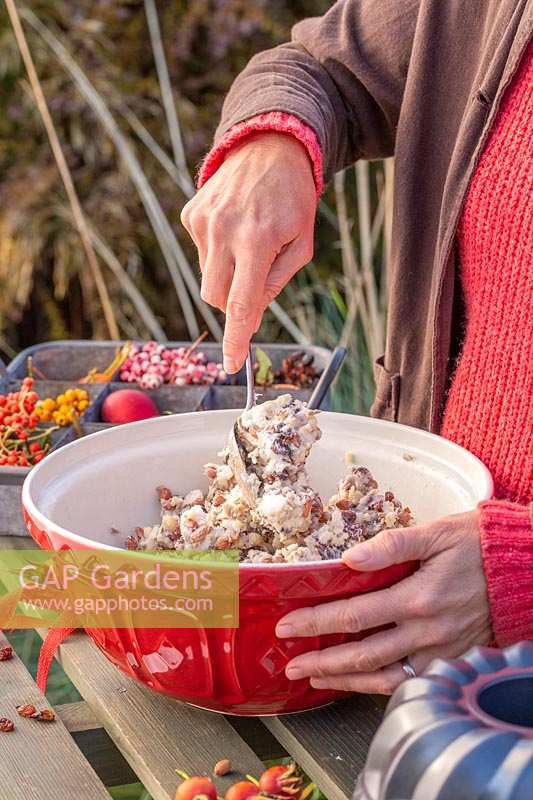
109 478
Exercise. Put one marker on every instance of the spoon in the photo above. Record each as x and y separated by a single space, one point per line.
236 452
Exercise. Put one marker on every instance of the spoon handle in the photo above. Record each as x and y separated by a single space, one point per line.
327 377
250 381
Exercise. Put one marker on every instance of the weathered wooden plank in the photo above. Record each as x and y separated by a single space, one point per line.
39 761
77 717
108 762
11 520
260 739
330 744
155 734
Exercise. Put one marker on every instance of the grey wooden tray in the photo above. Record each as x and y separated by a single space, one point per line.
65 362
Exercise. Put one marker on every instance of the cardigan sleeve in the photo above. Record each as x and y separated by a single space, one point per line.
273 121
507 549
342 74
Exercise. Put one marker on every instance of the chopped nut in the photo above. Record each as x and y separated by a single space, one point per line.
46 715
6 725
223 542
6 652
222 767
218 500
170 523
408 457
199 534
26 710
132 543
211 472
307 508
405 516
343 505
164 493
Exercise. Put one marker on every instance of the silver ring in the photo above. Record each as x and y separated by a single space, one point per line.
408 668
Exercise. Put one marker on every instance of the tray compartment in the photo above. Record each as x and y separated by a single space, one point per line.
16 475
72 359
173 399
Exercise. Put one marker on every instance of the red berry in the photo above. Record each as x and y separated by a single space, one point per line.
28 382
22 435
12 460
197 786
38 457
241 791
34 447
282 780
3 400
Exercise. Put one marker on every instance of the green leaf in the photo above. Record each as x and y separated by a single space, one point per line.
338 300
264 375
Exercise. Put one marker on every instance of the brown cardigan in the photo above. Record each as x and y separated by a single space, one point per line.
420 79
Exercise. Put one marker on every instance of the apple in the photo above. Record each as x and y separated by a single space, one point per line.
128 405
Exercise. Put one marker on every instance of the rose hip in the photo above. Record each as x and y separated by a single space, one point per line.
6 652
196 787
282 781
242 791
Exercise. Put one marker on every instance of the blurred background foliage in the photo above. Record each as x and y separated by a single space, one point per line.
46 288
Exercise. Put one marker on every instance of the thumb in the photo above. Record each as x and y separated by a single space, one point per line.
391 546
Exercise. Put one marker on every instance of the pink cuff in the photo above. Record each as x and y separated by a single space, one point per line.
507 548
278 121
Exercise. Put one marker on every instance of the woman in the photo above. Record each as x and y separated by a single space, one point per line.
447 88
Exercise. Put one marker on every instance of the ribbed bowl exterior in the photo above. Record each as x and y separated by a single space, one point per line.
437 743
237 670
71 498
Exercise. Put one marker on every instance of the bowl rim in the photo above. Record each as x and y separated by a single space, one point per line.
45 523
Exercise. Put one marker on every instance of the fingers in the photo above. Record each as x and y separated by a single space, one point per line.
368 655
292 258
253 287
351 615
382 681
242 308
392 546
217 276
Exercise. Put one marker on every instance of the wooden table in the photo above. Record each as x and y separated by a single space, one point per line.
122 733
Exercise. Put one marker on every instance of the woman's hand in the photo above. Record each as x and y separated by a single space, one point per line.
440 610
252 223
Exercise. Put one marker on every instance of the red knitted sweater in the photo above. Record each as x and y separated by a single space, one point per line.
490 405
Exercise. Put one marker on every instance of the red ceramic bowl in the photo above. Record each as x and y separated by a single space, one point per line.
73 497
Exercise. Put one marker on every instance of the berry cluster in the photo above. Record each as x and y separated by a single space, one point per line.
280 782
64 408
22 444
151 365
297 369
